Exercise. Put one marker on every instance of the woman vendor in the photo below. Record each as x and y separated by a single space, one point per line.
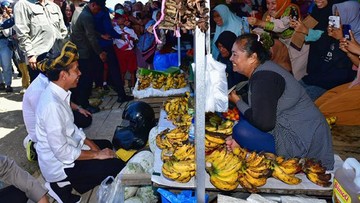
277 21
279 117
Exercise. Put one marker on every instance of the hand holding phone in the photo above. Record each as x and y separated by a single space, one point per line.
346 31
334 21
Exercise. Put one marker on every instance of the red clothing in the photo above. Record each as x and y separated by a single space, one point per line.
127 60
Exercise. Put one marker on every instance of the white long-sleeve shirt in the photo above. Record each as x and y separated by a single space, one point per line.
30 103
59 140
128 43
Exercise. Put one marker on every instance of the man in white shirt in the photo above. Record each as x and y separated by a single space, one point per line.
67 159
82 117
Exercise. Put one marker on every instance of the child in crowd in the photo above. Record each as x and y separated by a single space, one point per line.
124 48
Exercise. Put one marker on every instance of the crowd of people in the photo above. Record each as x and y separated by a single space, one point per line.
64 49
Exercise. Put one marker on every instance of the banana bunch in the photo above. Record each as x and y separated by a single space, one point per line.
225 127
255 172
184 120
161 140
279 174
179 171
223 167
178 153
179 81
144 81
158 81
171 20
176 107
213 141
331 121
316 173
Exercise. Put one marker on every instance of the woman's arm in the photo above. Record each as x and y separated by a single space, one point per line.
266 88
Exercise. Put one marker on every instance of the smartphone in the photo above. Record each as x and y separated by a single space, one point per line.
334 21
346 28
294 14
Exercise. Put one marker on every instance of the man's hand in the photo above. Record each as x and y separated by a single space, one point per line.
103 56
32 62
84 112
105 154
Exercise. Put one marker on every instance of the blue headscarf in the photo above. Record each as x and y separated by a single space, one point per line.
231 22
349 12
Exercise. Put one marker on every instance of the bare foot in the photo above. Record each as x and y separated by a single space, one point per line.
231 143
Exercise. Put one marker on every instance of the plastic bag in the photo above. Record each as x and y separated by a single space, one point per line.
216 86
164 61
110 192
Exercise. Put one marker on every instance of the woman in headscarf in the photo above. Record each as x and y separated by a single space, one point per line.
224 44
277 21
279 116
225 20
343 102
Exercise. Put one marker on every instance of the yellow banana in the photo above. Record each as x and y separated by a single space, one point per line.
281 175
257 182
257 174
251 157
184 166
221 164
256 162
184 178
245 184
221 185
169 173
263 166
279 159
319 179
215 139
291 169
229 171
210 144
230 179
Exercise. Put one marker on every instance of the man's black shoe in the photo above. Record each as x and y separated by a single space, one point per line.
124 99
2 86
62 194
92 109
9 89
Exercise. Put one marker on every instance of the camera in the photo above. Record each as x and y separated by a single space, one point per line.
346 28
334 21
294 14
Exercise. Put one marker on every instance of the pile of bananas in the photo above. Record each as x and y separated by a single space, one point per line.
316 173
218 125
179 171
223 167
213 141
169 138
182 120
144 81
159 81
178 156
176 107
255 171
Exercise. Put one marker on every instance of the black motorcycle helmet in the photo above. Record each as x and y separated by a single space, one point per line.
127 138
140 115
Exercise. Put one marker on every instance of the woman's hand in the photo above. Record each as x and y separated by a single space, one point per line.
254 21
350 45
84 112
335 32
233 97
299 26
231 143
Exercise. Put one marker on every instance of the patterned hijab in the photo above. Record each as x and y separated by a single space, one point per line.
69 54
281 5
